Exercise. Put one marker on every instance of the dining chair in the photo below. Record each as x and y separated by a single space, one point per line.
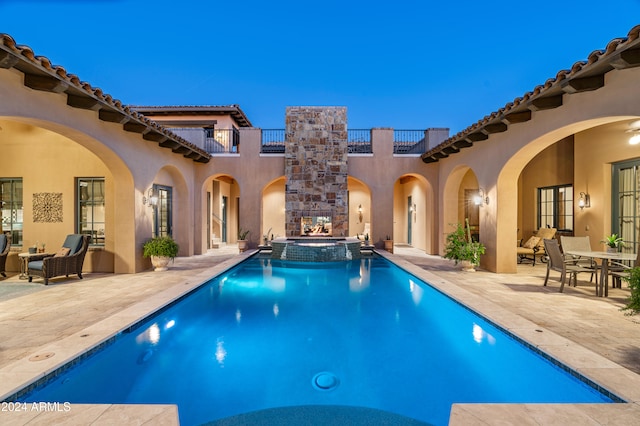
558 263
569 244
620 271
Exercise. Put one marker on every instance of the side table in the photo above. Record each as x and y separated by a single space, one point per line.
24 262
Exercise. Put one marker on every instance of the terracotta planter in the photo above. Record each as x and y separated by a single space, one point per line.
467 266
242 245
160 263
388 245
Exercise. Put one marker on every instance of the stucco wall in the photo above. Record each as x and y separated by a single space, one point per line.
50 163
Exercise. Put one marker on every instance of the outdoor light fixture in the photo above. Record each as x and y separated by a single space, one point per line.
584 200
150 199
481 198
635 138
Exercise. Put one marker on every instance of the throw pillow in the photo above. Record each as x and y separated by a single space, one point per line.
531 242
62 252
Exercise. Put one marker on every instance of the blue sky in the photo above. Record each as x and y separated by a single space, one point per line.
406 64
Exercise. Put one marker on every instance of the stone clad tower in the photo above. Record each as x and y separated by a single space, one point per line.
316 154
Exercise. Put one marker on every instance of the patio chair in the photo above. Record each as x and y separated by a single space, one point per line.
579 244
534 246
5 245
68 260
620 271
558 263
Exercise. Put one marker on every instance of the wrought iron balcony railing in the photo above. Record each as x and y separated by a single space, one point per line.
409 142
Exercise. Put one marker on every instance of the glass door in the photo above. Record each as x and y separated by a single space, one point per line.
163 212
625 203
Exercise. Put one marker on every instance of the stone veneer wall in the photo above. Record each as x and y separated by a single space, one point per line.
316 154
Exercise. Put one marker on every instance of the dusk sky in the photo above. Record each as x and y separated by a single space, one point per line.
402 64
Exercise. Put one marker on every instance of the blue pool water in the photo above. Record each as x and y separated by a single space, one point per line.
271 334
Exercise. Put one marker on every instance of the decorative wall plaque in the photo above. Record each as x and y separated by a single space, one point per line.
47 207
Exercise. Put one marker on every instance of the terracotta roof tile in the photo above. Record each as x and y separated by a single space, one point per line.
26 52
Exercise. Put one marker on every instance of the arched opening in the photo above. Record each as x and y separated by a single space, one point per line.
222 210
414 213
63 182
273 209
359 208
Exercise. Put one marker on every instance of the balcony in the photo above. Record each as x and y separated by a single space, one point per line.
409 142
272 141
214 141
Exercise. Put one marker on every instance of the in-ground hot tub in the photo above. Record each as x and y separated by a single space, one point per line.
325 249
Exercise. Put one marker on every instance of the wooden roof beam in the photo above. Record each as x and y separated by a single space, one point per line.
45 83
7 60
495 128
462 143
112 116
585 84
627 59
478 136
134 127
545 103
154 137
83 102
517 117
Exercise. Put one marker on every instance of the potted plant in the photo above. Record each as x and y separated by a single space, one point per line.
388 244
265 238
242 239
461 248
161 250
614 243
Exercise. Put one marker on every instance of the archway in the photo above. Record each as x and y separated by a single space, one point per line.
414 213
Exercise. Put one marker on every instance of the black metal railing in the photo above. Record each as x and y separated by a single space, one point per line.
222 141
214 141
409 142
272 141
359 141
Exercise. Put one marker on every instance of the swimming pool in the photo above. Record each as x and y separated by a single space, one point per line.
270 333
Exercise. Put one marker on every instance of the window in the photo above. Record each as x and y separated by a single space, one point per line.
11 208
90 201
555 207
626 203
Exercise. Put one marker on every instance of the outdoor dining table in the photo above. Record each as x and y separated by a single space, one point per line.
602 289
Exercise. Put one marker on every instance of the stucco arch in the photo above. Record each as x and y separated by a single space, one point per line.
55 150
220 194
273 208
614 129
423 212
182 199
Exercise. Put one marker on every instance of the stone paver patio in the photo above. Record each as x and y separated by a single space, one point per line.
588 333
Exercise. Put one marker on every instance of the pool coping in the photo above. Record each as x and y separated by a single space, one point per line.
605 373
611 376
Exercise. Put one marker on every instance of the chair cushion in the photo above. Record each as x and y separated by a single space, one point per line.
73 242
36 265
531 242
3 242
62 252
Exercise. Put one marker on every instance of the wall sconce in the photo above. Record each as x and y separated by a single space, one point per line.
481 198
150 199
360 213
584 200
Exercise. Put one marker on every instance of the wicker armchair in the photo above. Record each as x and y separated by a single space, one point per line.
5 245
49 266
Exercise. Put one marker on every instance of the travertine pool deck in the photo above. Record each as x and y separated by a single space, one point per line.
42 327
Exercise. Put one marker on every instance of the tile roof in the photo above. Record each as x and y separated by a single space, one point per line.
620 53
182 110
41 74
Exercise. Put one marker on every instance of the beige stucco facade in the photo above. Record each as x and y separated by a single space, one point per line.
48 142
